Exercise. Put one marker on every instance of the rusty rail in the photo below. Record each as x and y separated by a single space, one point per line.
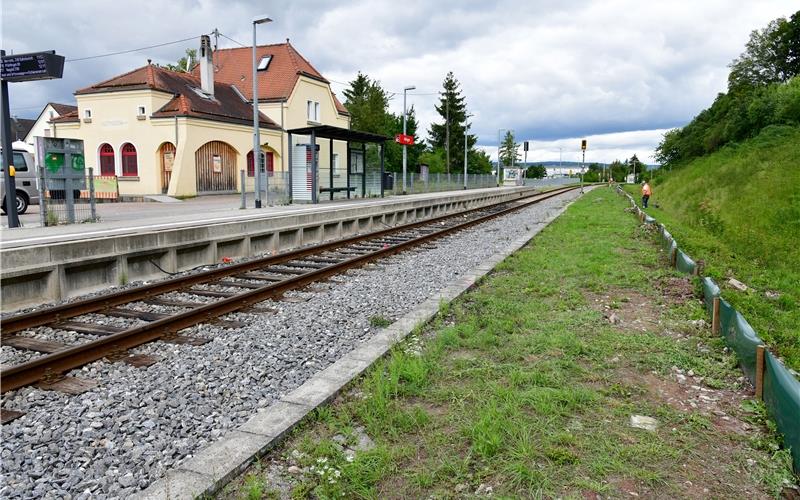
73 357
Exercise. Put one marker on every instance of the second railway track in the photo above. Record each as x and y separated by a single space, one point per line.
205 297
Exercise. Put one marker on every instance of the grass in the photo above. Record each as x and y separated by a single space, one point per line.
738 210
522 387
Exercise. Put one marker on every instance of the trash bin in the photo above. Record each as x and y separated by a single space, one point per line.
388 181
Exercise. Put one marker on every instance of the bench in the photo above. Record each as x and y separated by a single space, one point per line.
337 190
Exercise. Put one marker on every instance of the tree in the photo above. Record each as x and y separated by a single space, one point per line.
479 162
394 151
452 108
536 172
185 63
509 150
367 103
771 55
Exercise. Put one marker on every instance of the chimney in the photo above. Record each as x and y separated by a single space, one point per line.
206 66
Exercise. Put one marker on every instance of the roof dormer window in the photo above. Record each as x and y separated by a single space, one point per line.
263 64
201 93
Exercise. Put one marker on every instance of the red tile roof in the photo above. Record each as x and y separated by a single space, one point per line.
227 104
62 109
235 66
72 116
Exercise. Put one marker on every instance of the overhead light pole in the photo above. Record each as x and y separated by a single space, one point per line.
256 132
466 147
499 145
405 113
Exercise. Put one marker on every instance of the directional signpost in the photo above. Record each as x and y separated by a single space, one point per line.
21 68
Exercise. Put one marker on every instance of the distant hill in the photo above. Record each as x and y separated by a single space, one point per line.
566 164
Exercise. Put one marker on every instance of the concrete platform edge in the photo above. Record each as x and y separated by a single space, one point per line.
214 466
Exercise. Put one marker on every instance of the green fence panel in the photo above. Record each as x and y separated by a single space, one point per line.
782 398
667 241
684 263
710 290
740 337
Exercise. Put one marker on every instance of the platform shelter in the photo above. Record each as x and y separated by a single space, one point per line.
310 181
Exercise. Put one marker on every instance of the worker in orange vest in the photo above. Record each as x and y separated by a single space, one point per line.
646 192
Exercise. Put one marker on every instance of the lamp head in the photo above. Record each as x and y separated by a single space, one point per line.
412 87
262 19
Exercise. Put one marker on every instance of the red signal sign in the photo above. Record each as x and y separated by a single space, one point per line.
404 139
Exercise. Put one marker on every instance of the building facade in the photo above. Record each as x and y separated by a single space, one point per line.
187 134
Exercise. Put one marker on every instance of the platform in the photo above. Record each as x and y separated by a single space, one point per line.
134 240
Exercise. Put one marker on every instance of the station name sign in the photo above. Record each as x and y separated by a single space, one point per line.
407 140
33 66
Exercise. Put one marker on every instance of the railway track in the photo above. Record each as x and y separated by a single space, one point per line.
201 297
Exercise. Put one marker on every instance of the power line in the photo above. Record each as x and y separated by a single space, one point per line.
132 50
231 39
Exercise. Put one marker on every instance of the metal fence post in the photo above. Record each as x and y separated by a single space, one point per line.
92 204
244 193
412 182
42 191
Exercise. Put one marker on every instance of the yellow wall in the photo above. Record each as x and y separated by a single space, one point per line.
295 115
193 133
114 121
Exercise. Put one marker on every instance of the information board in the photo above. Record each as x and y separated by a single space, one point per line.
33 66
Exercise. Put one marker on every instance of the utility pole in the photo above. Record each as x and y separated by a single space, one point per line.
405 114
256 131
466 147
447 124
499 147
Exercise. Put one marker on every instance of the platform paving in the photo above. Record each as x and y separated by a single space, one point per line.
222 460
145 217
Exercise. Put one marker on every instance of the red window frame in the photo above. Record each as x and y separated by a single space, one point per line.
107 159
251 172
130 163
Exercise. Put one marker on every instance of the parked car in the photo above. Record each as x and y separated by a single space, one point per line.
26 181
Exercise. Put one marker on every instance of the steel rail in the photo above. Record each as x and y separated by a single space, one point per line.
73 357
19 322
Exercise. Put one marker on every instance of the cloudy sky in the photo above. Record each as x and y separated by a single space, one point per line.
618 72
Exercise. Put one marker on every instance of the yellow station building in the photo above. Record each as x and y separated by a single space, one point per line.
187 134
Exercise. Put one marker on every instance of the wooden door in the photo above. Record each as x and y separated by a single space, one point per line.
215 163
167 155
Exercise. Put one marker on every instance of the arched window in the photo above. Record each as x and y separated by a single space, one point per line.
107 159
251 172
130 167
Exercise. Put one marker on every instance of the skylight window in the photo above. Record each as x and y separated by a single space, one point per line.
200 92
264 63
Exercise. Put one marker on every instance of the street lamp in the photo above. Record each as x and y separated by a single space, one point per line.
404 133
466 147
499 144
256 133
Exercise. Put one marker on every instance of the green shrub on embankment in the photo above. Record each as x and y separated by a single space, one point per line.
738 210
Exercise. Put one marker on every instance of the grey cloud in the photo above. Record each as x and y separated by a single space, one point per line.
547 69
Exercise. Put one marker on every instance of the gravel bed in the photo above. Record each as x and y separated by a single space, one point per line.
154 308
10 356
139 422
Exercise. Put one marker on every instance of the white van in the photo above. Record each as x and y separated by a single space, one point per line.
26 181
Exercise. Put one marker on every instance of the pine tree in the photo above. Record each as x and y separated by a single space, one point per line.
452 108
367 103
509 150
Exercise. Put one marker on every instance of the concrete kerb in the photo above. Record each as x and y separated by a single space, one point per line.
214 466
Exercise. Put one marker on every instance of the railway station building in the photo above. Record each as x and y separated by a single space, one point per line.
186 134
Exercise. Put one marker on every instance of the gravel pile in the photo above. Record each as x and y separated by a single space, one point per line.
140 422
